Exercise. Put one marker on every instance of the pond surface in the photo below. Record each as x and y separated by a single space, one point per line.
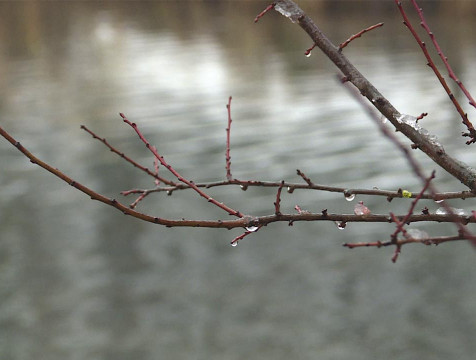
81 281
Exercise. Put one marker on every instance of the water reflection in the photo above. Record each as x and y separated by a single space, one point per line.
81 281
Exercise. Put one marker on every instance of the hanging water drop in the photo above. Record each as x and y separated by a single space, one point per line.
341 225
439 201
308 54
290 189
349 196
234 244
244 187
251 228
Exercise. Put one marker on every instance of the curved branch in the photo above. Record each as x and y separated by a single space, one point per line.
458 169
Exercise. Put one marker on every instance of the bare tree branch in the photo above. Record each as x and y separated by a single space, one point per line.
458 169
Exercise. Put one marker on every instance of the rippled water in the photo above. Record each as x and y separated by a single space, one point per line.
80 280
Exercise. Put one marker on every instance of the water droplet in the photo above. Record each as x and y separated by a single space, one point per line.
341 225
290 189
251 228
244 187
308 54
349 196
361 209
417 234
439 201
458 211
443 211
234 244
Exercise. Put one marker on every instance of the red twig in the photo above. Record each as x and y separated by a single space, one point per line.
234 242
402 223
415 167
128 159
308 51
244 184
227 151
421 116
156 169
176 174
359 34
306 179
262 13
277 203
425 241
471 131
451 73
139 199
113 202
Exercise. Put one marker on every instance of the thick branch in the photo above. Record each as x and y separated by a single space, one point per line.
461 171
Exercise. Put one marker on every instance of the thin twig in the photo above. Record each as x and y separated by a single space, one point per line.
293 186
176 174
462 172
125 157
277 203
401 224
235 241
359 34
227 151
471 131
443 57
262 13
306 179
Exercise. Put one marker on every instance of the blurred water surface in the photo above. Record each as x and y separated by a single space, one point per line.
81 281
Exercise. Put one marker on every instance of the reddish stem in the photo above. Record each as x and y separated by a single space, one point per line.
306 179
359 34
277 204
471 131
401 224
128 159
242 236
176 174
451 73
308 51
227 151
262 13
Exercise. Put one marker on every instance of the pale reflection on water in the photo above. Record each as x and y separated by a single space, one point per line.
79 280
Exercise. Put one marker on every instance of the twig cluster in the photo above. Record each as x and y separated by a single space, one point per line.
360 89
471 131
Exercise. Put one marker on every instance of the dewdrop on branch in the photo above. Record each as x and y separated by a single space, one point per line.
341 224
348 195
251 228
417 234
443 211
361 209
